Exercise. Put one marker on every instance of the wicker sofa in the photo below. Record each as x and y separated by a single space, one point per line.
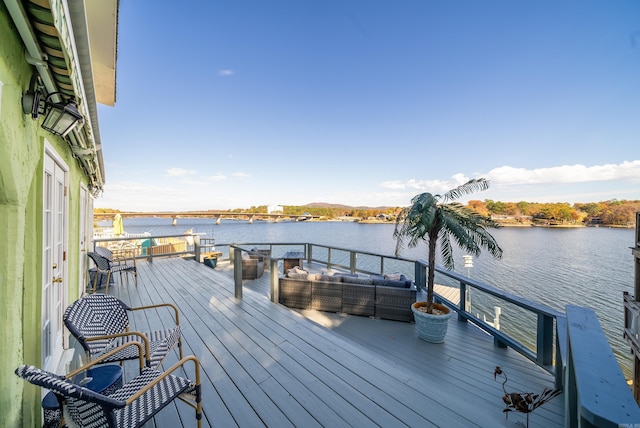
352 294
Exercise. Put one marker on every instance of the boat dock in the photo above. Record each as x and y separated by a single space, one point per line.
264 364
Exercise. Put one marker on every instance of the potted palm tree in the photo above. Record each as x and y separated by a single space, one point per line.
437 218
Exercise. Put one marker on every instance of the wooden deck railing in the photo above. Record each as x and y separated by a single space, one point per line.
596 394
150 246
557 342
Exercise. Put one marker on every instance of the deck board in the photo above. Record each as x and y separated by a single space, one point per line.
267 365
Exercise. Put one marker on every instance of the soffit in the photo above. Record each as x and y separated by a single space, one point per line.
102 20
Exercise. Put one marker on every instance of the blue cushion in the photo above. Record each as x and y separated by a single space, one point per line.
398 284
356 280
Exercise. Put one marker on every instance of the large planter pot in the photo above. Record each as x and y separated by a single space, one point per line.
431 327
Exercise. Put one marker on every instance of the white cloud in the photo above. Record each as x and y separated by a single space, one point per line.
241 175
179 172
434 186
226 72
512 176
507 175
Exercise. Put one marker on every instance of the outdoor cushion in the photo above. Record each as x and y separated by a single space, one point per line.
296 275
357 280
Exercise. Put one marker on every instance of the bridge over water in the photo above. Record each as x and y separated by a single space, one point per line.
217 215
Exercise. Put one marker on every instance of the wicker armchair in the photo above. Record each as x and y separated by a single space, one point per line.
252 268
129 406
262 254
100 323
107 266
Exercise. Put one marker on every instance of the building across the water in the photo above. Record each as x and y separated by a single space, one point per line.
275 209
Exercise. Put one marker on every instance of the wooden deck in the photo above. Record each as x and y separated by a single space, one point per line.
267 365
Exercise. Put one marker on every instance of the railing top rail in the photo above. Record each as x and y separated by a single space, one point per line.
364 252
137 238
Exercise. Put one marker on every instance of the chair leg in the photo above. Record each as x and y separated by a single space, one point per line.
106 291
95 281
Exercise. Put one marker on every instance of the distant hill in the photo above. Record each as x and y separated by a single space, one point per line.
343 207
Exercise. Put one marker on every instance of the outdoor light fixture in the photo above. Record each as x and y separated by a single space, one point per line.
61 117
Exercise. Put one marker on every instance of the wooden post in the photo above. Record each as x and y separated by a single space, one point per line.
196 247
352 261
636 358
275 283
237 273
421 275
463 301
544 346
636 256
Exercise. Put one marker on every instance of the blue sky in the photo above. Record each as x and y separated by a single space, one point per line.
229 104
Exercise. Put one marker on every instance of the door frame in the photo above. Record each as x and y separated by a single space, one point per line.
51 362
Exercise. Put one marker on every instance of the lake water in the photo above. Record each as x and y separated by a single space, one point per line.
588 267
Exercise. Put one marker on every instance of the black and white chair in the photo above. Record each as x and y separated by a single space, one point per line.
100 323
129 406
106 265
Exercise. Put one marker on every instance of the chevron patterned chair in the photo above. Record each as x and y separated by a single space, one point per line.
107 266
100 323
133 404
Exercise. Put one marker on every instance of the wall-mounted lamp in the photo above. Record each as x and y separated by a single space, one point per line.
61 117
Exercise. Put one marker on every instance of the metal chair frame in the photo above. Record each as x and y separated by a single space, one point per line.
100 323
106 264
132 405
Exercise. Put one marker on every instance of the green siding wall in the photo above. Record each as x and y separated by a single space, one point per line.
22 143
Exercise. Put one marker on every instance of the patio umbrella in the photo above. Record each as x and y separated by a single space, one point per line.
118 228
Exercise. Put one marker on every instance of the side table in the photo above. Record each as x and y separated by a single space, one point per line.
292 259
102 379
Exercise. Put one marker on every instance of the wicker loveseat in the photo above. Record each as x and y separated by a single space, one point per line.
375 296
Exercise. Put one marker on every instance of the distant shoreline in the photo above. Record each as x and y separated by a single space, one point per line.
519 225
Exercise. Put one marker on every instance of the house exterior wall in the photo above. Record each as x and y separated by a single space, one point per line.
22 148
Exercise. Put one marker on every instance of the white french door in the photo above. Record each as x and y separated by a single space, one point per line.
54 268
84 234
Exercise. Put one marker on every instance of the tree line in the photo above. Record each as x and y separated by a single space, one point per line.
613 212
